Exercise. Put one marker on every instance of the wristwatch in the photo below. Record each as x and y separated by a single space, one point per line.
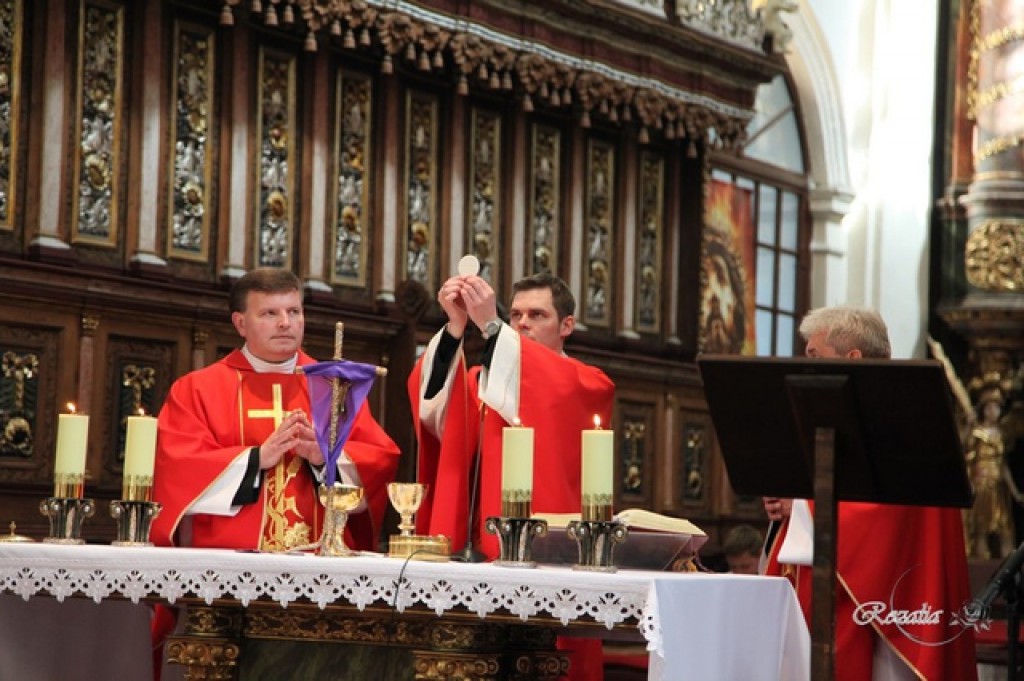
490 328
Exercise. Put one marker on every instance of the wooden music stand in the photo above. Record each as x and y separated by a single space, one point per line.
830 430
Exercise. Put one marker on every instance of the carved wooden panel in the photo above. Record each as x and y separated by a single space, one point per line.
28 385
650 237
636 443
484 234
276 136
693 481
545 209
600 211
98 119
421 182
353 158
192 143
139 373
10 94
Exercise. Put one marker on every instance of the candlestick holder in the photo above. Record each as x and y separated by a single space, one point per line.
133 521
338 499
515 539
407 497
66 515
596 540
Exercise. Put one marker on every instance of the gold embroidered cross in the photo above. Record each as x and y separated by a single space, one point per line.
276 412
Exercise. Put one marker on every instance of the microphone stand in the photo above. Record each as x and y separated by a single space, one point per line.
1012 596
469 554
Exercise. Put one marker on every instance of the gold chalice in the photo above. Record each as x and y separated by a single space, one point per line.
338 500
406 497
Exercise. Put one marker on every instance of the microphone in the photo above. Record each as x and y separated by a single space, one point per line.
978 606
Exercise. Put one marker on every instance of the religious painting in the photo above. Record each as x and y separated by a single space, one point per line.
727 272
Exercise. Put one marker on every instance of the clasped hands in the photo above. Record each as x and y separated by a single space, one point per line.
295 433
466 298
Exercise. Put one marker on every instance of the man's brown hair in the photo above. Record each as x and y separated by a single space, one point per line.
561 296
264 280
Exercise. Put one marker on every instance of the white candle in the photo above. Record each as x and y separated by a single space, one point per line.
140 446
598 458
517 458
72 437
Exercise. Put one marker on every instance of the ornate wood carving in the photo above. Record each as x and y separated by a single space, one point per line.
139 373
421 184
277 158
11 31
28 380
484 210
693 482
354 155
650 229
995 255
600 234
97 182
545 210
192 142
636 444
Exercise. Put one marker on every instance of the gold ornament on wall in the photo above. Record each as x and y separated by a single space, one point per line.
994 255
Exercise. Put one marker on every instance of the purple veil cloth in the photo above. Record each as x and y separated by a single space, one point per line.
359 378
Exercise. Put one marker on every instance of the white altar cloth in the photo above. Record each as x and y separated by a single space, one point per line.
698 626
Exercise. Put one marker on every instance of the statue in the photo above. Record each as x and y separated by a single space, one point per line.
774 26
988 524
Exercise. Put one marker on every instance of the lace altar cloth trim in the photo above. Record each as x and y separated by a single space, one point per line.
99 572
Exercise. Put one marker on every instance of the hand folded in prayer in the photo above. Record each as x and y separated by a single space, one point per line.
294 433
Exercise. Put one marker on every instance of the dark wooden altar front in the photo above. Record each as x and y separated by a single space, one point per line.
226 641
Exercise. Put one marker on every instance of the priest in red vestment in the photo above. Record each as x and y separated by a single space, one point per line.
237 462
901 570
524 374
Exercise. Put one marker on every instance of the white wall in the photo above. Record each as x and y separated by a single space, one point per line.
880 58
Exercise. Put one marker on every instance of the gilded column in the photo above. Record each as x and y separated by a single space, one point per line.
991 315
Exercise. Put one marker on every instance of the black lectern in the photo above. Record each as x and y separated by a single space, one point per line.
830 430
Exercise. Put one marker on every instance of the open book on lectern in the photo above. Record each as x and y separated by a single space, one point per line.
895 434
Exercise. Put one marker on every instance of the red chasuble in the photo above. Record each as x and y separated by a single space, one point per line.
211 416
891 559
559 398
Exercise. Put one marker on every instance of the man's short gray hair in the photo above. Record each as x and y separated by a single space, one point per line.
847 328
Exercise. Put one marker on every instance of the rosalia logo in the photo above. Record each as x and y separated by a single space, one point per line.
969 616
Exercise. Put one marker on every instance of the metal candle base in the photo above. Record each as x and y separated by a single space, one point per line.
596 540
515 539
133 521
66 516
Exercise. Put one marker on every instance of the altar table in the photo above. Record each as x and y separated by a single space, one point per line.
696 625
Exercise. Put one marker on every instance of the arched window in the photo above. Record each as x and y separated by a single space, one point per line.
771 169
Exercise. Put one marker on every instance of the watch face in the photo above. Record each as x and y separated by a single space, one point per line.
492 327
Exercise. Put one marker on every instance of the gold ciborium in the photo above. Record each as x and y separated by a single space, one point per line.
338 500
407 497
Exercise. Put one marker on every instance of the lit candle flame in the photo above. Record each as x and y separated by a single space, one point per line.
71 408
516 422
140 412
597 422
